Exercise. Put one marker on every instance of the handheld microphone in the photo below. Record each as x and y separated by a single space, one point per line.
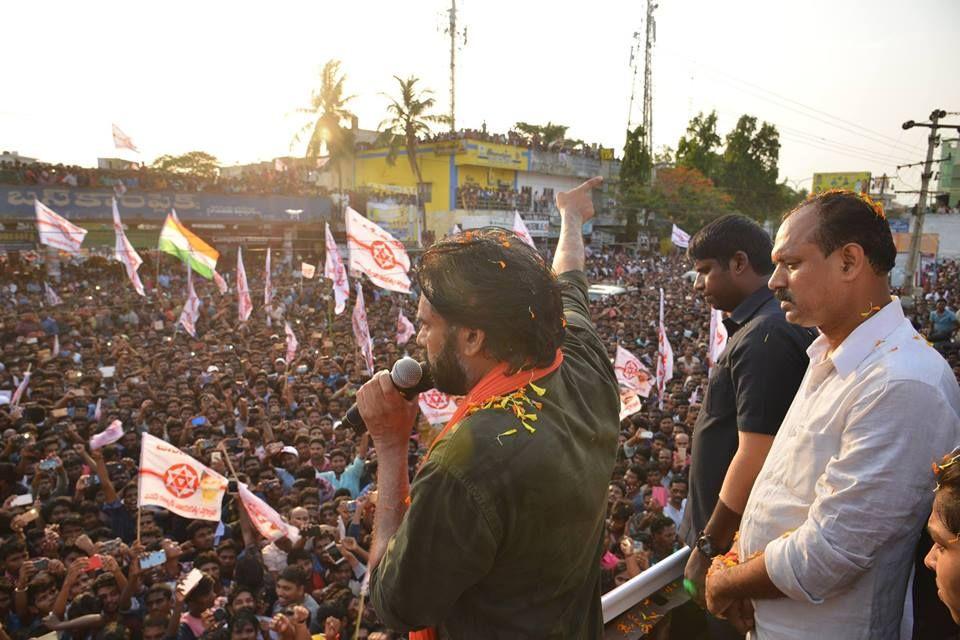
408 376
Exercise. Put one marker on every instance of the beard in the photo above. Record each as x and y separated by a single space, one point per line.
448 375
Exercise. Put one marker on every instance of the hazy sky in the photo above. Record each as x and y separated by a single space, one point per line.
226 77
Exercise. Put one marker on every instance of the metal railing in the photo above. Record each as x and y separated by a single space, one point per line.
643 586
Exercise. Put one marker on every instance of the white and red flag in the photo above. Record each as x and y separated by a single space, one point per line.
361 330
56 231
520 228
292 343
244 304
629 403
125 253
191 308
664 356
376 253
267 289
679 237
266 520
108 436
718 337
631 373
50 295
405 329
333 270
122 140
220 282
21 389
437 406
171 479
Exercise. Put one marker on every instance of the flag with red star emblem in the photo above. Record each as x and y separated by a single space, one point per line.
631 373
376 253
171 479
438 407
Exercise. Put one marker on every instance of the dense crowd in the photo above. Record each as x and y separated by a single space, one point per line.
519 139
282 179
70 552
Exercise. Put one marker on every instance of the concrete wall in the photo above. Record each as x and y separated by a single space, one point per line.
948 228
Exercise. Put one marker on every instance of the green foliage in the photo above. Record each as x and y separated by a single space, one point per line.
408 119
550 134
699 147
634 192
749 170
194 163
327 114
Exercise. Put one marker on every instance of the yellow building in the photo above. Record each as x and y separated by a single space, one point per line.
444 166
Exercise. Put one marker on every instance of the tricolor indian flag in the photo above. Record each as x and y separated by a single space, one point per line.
179 241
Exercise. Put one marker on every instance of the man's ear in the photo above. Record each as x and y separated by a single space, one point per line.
472 341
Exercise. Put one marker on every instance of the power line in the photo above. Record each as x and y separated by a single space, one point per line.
890 140
839 147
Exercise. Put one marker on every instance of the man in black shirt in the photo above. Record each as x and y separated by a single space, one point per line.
749 390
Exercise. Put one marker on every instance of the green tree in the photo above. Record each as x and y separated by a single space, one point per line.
550 134
699 147
409 118
750 167
194 163
327 114
634 194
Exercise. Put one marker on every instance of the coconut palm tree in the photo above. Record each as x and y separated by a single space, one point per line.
409 118
327 112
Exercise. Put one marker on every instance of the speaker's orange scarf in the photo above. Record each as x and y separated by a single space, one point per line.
493 385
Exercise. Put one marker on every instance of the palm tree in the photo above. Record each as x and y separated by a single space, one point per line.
408 118
327 112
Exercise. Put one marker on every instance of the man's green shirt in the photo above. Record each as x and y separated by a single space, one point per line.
504 534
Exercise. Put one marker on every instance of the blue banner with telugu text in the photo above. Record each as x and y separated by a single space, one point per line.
16 204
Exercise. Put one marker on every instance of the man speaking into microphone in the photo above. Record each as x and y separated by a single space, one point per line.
501 533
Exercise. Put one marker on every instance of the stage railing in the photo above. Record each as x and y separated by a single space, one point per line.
643 586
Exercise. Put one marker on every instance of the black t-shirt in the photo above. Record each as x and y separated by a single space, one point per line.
750 389
505 528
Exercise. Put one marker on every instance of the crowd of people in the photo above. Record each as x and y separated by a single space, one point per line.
73 554
283 179
519 139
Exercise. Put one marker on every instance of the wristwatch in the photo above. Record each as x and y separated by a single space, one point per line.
707 546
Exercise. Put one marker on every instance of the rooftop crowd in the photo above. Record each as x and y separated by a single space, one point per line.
70 555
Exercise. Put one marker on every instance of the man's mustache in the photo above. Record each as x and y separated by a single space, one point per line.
782 295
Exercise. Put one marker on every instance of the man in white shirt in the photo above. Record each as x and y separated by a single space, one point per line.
829 532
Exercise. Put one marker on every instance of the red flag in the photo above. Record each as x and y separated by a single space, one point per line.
405 329
292 343
376 253
108 436
520 229
21 389
333 270
267 521
631 373
220 282
267 289
125 253
56 231
718 337
361 331
664 356
122 140
171 479
438 407
191 308
244 304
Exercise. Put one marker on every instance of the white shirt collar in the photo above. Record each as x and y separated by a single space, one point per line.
861 342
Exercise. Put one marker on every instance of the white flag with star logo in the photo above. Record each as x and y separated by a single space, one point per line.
171 479
376 253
